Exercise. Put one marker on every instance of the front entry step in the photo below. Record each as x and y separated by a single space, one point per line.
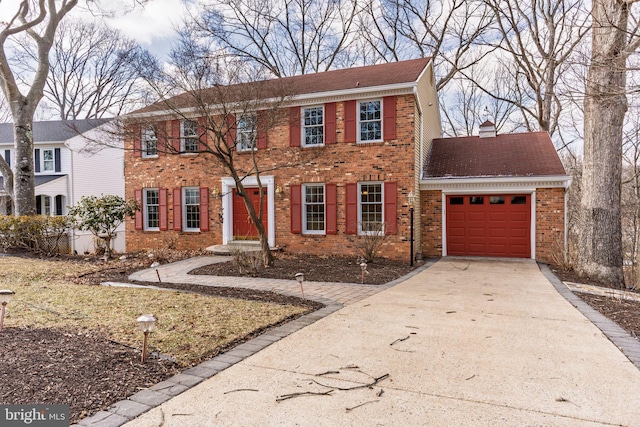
241 245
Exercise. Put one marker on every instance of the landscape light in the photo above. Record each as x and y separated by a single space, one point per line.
300 279
6 296
146 322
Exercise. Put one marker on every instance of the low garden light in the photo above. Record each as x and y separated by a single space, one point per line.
5 298
300 279
363 267
146 322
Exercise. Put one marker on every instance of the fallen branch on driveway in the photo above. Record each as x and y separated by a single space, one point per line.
304 393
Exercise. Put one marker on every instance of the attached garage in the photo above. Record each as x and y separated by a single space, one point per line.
494 196
489 225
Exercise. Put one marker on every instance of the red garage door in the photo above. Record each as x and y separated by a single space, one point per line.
489 225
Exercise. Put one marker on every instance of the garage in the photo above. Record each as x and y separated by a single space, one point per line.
496 225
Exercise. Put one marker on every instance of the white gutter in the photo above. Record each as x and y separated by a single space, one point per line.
495 183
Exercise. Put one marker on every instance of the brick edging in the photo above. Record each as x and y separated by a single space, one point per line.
629 346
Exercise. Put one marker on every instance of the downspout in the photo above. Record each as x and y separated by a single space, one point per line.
71 192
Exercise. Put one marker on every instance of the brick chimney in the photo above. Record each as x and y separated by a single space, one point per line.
487 130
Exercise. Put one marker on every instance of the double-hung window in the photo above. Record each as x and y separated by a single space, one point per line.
48 160
191 209
151 209
370 121
371 208
246 132
149 142
189 136
314 209
312 126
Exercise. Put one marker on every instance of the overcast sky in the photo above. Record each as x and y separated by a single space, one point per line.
152 26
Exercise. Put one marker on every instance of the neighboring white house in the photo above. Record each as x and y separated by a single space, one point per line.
70 162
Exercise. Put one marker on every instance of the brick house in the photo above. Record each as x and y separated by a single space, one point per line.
356 142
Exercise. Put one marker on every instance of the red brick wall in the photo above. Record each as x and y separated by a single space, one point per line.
431 217
550 225
338 163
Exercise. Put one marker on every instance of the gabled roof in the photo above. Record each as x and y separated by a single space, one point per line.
517 154
53 131
392 73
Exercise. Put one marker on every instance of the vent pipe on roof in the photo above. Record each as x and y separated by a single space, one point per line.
487 130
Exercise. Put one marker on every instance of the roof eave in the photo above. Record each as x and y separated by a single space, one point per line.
496 183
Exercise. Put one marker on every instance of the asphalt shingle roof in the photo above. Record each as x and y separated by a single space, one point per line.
53 131
516 154
39 179
328 81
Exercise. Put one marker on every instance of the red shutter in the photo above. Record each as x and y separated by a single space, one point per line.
350 121
330 123
390 207
231 130
161 134
162 206
351 208
204 208
294 127
296 208
139 224
136 131
389 117
177 209
261 130
332 208
202 131
175 135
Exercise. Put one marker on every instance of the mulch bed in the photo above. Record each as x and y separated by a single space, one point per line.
86 372
317 269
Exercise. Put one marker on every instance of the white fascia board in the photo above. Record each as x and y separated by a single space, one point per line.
495 184
305 99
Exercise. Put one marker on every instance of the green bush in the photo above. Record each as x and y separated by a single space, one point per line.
37 233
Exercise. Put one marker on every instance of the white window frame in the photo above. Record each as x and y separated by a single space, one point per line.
304 126
45 204
244 134
305 229
43 161
192 136
359 121
146 208
360 210
149 134
184 209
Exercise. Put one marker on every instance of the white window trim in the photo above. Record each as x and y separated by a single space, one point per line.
41 202
254 131
381 183
146 210
304 209
302 127
358 133
145 139
184 210
42 160
183 137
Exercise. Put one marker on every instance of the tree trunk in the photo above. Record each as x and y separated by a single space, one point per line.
24 198
600 251
267 256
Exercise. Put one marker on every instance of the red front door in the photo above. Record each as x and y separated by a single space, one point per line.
243 228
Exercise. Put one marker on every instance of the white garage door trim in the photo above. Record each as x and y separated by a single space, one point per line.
489 190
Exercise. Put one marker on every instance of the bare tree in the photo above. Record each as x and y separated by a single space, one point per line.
233 117
605 105
538 42
447 31
285 37
39 22
93 71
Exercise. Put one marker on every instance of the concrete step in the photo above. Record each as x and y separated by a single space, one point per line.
242 245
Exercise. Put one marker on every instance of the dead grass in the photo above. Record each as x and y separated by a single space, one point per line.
190 326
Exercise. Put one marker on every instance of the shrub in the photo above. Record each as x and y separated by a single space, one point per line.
37 233
368 245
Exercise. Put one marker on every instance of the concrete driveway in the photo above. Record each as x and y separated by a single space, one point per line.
467 342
